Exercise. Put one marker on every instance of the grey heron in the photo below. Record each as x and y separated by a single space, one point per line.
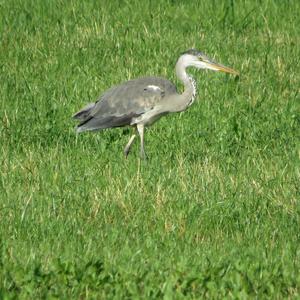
142 101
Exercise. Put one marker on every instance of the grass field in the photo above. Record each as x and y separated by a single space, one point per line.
213 213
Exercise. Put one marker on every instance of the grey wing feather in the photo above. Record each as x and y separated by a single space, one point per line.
120 104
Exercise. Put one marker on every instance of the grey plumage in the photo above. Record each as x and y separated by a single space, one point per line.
120 104
140 102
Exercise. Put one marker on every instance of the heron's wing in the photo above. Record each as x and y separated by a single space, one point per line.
120 104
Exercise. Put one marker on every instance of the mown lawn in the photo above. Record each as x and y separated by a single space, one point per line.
214 211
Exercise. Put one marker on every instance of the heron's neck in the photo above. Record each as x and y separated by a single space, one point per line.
189 93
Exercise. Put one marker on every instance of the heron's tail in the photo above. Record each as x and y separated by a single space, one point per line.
84 112
79 129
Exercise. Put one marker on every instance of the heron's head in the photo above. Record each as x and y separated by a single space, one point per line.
197 59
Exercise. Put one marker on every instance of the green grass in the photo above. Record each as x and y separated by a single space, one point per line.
213 213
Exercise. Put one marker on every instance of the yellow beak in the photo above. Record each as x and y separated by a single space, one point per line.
219 67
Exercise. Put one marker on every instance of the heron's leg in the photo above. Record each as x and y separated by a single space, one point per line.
140 128
127 147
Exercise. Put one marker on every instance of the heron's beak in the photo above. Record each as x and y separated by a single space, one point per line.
218 67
